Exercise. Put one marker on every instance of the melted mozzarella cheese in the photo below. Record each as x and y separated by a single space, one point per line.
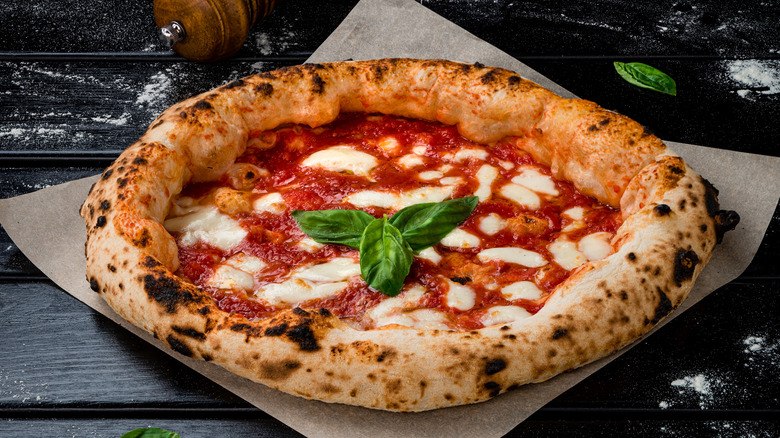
459 296
576 213
390 200
389 145
518 256
531 178
491 224
485 177
465 154
309 245
373 198
208 225
595 246
409 161
420 150
336 269
451 180
342 159
247 263
430 175
271 203
430 254
395 310
228 277
565 254
521 195
526 290
296 290
459 238
508 165
504 315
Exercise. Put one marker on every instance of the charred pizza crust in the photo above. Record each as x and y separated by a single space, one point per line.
671 224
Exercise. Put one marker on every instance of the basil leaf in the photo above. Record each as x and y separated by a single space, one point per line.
385 257
645 76
154 432
424 225
333 226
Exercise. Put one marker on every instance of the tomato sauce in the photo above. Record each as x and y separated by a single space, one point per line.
273 237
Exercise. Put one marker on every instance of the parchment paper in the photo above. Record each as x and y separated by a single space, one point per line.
46 227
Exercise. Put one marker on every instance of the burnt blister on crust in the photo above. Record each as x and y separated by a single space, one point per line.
179 346
725 220
168 291
494 366
663 308
685 262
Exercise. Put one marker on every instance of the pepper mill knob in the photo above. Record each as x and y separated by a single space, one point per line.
208 30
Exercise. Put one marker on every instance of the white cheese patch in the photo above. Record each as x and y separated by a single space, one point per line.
576 213
420 319
228 277
526 290
271 203
208 225
420 150
296 290
430 254
533 179
459 238
565 254
521 195
595 246
508 165
485 177
424 194
372 198
518 256
459 296
465 154
338 269
247 263
309 245
445 168
389 145
409 161
491 224
451 180
430 175
342 159
392 310
182 206
504 315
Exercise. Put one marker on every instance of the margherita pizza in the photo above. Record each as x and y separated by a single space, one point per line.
397 234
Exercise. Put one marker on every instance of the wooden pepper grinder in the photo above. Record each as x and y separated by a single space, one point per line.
208 30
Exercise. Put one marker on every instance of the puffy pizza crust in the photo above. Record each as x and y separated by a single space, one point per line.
672 222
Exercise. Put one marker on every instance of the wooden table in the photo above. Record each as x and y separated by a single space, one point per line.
79 82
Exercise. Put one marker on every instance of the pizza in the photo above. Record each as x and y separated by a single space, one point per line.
397 234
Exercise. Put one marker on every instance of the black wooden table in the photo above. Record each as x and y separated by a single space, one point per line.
79 82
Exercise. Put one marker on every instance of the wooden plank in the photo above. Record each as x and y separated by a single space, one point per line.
105 106
214 426
57 353
532 28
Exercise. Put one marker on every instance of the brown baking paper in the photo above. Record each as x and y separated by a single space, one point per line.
46 227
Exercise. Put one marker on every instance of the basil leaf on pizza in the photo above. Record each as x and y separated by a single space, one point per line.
646 76
333 226
385 257
424 225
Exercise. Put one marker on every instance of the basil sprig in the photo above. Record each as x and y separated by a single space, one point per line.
385 257
645 76
387 245
153 432
333 226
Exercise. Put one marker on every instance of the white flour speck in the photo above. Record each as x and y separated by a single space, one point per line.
663 405
122 120
754 77
158 86
699 386
754 343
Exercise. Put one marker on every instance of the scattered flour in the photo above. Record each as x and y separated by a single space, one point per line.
754 77
275 45
699 386
122 120
159 85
